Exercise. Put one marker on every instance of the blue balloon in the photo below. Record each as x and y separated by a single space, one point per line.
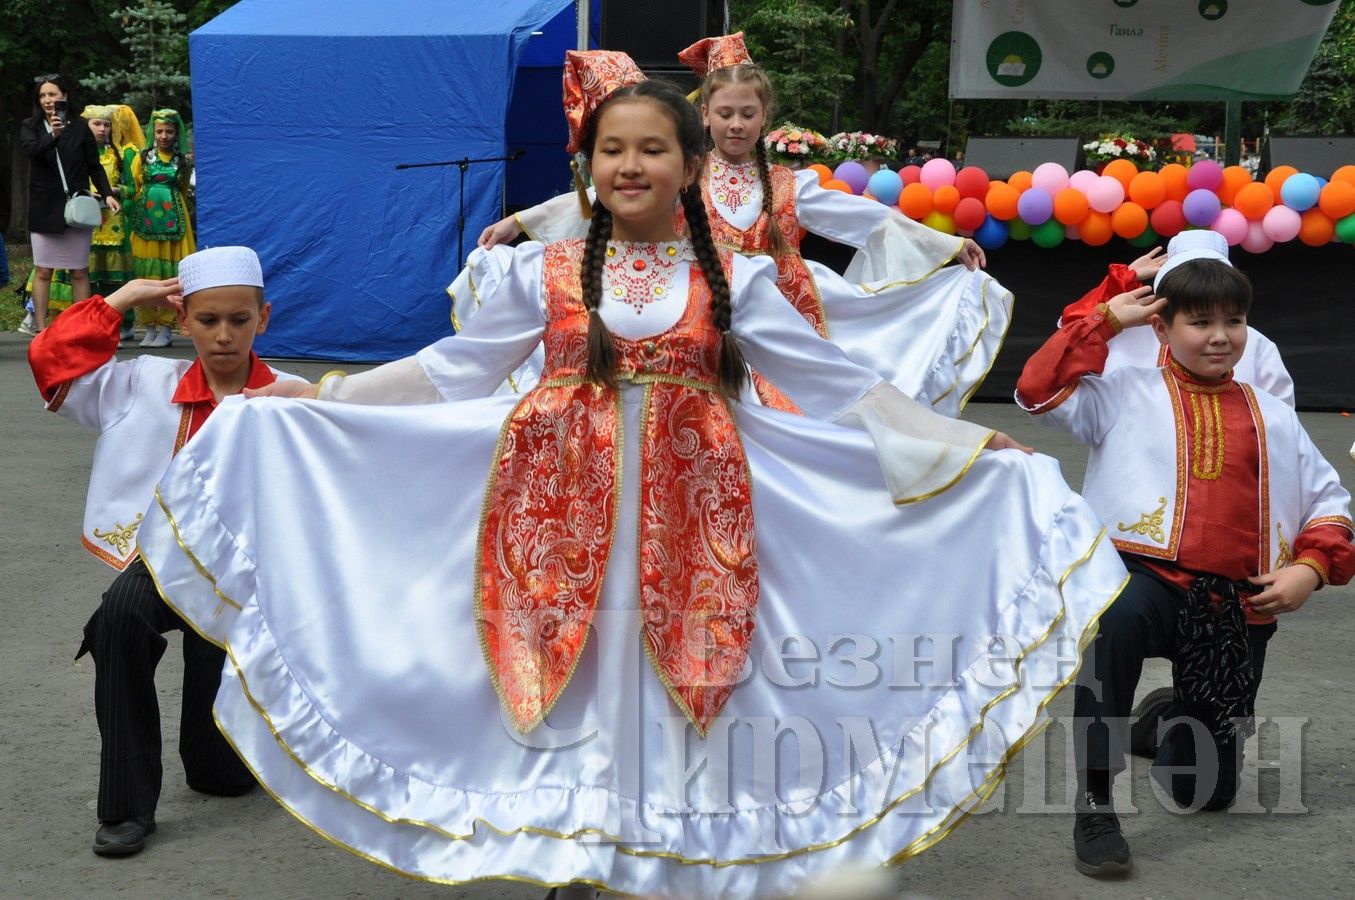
1299 192
991 234
885 186
1035 206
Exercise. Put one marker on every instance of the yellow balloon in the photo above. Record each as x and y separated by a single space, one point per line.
940 222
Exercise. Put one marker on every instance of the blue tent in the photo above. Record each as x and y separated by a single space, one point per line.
302 111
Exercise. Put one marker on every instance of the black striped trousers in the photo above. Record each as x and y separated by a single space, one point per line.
125 638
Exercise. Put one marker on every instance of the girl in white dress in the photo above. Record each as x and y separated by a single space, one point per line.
930 330
627 632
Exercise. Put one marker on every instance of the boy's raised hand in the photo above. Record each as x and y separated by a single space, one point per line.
303 390
1146 267
1136 307
145 292
1285 590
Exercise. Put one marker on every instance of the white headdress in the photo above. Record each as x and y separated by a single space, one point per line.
219 267
1188 245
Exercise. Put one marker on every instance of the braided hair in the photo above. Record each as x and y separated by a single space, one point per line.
601 368
753 76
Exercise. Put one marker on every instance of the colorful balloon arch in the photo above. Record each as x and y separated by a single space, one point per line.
1050 205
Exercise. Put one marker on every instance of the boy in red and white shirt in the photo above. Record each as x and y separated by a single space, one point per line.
1210 489
146 409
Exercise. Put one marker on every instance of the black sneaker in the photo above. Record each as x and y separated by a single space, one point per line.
1151 710
1100 846
123 838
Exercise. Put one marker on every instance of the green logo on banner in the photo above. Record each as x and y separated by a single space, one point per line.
1213 10
1013 58
1100 65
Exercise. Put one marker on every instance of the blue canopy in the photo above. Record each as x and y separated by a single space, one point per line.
302 110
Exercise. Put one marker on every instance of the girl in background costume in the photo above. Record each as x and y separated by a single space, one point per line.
159 217
110 260
933 333
586 688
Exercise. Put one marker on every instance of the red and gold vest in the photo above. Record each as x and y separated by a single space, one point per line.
793 278
550 509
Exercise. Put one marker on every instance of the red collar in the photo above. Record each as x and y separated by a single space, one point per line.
1192 382
193 387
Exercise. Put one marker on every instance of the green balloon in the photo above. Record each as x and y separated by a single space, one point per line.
1047 234
1345 229
1018 230
1147 239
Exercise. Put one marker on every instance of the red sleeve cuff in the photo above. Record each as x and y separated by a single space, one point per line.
77 342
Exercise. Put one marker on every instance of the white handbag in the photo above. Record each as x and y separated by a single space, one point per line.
82 210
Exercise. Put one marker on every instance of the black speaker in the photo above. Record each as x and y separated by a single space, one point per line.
1314 154
1002 156
653 32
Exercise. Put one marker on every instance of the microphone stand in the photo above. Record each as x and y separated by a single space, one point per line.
462 165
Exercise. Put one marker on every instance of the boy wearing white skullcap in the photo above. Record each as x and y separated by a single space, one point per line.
145 408
1260 366
1224 511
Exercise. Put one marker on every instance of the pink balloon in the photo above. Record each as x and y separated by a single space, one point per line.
910 174
1105 194
938 173
1256 240
1082 179
1281 224
1204 175
1232 225
1050 176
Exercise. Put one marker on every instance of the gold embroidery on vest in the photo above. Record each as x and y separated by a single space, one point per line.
1286 556
1206 415
1150 524
120 538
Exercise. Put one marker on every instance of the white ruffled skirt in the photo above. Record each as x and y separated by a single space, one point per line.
902 653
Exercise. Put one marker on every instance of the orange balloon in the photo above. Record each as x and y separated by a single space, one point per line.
825 173
1253 200
1096 229
837 184
1337 199
1122 170
1276 179
946 198
1315 229
1173 175
915 200
1070 206
1234 178
1020 180
1001 200
1345 173
1129 220
1147 189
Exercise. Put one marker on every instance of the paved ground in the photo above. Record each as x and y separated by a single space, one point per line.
250 847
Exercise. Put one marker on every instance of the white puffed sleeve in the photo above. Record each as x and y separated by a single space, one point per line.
557 219
891 247
471 363
1271 375
920 451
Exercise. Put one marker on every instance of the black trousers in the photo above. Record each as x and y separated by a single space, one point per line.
1141 623
125 638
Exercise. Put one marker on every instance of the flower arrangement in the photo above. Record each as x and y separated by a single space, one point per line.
792 142
1110 147
862 145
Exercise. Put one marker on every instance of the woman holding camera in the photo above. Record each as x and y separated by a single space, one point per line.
50 135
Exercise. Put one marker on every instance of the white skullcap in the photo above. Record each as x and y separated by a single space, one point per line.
220 267
1188 245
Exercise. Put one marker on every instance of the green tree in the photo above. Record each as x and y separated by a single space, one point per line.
156 38
796 42
1325 103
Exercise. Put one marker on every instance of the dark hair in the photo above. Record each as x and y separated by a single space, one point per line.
1205 286
753 76
67 86
733 373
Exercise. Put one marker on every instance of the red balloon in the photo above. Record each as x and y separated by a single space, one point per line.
911 174
971 181
970 212
1167 218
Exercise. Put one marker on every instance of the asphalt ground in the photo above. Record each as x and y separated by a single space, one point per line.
1295 841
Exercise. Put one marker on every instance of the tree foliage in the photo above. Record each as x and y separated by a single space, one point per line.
156 40
798 43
